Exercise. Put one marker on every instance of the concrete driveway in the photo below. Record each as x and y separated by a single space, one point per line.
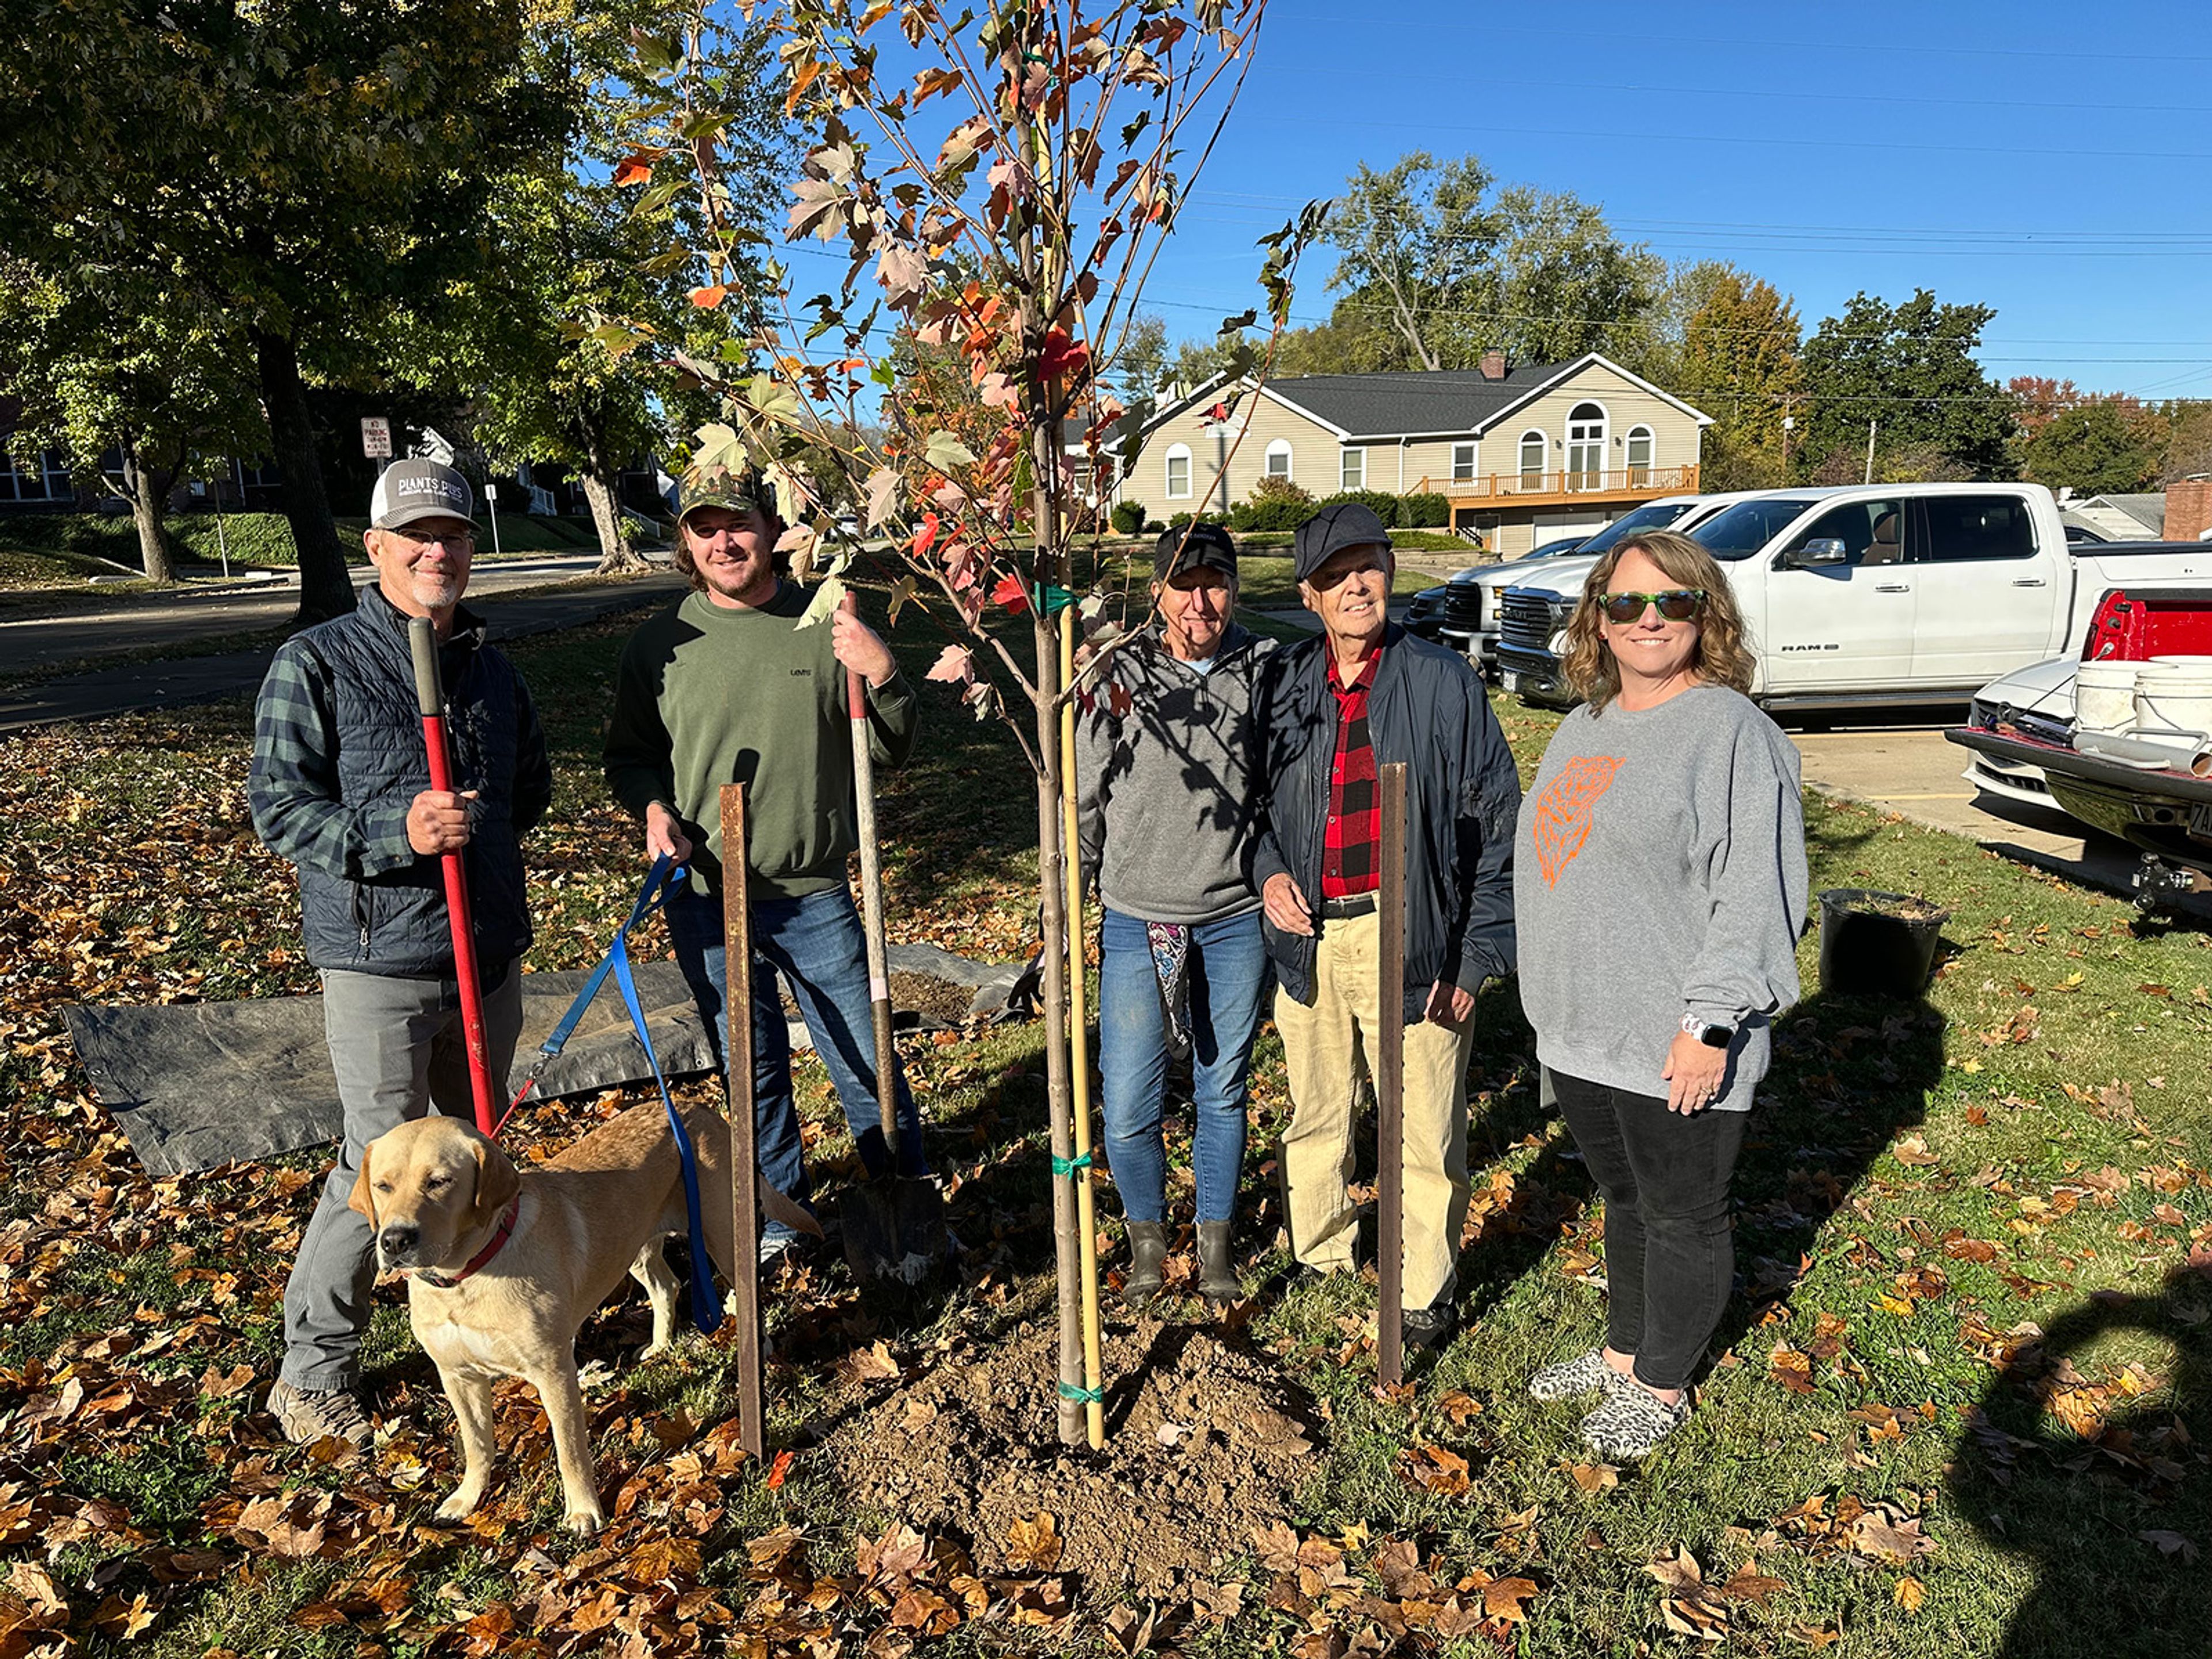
1903 765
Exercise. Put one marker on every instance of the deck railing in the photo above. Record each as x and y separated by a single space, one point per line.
1527 487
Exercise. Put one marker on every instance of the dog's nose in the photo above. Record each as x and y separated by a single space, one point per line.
397 1241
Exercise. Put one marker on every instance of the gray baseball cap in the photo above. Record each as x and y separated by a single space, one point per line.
415 488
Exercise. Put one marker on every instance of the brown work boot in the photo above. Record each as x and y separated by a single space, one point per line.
1148 1254
306 1415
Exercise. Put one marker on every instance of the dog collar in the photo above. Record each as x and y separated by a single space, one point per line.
446 1282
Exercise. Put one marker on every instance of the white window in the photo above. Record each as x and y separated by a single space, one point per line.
1463 463
1585 445
1533 446
1178 472
1639 455
1279 457
43 478
1351 472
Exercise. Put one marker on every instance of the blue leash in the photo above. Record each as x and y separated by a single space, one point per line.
659 882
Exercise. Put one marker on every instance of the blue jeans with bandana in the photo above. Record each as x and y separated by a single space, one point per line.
1228 977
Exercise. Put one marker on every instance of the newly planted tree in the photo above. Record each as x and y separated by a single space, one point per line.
995 185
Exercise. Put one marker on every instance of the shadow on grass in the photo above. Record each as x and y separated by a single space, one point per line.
1848 1074
2113 1511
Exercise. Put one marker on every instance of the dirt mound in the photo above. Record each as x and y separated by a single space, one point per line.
1205 1444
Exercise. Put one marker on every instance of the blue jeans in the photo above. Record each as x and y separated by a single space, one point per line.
816 943
1228 974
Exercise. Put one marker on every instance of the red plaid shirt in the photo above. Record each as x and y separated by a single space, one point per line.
1351 848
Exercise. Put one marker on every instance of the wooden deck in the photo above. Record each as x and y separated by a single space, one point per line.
1531 489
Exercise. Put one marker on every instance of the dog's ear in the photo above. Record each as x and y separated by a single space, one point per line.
496 1181
363 1202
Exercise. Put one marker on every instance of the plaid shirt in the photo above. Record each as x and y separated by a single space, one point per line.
1351 845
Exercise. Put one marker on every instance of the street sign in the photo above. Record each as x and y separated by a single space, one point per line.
491 491
376 437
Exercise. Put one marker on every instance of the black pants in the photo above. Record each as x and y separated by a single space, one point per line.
1669 1246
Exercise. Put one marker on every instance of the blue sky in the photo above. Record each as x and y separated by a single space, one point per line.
2049 161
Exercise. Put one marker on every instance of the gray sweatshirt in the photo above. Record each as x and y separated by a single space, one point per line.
1660 871
1165 777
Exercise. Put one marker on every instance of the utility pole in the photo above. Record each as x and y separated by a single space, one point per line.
1869 466
1788 422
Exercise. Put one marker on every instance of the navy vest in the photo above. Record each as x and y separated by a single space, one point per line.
396 923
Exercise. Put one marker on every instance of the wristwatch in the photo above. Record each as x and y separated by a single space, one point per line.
1713 1036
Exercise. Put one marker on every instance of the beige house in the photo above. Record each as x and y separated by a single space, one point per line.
1524 455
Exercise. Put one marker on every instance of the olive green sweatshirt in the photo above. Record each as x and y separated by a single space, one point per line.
707 696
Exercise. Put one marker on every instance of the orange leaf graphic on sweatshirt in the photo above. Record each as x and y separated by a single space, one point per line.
1563 811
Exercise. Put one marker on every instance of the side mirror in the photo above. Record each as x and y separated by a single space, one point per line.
1820 550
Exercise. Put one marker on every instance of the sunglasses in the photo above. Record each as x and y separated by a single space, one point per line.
1675 605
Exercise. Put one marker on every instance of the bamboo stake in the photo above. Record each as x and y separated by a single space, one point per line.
1390 1083
744 1168
1079 1039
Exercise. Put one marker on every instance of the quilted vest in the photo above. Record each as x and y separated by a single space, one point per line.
396 923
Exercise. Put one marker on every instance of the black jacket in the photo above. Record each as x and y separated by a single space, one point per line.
338 758
1463 794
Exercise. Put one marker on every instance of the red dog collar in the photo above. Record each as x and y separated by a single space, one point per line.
499 1238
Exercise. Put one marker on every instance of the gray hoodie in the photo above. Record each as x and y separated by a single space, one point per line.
1659 871
1165 771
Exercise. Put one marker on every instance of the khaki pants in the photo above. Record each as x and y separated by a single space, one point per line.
1325 1048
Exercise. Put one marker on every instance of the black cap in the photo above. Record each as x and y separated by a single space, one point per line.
1348 524
1195 546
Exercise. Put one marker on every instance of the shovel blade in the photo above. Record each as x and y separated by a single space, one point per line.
893 1228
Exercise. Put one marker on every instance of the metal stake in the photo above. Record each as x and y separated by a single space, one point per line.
1390 1083
744 1168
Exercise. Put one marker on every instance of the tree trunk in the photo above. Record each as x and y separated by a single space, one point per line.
148 493
326 585
616 556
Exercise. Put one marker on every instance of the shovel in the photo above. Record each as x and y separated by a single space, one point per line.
893 1224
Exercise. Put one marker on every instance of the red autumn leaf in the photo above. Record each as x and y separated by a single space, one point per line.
1010 593
954 665
926 537
632 170
1061 356
778 1469
707 298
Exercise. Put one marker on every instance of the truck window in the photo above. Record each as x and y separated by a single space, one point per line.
1962 527
1654 517
1871 532
1738 531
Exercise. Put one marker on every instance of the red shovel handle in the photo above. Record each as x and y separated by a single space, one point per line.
430 699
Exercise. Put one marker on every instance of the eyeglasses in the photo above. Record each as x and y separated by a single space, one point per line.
462 540
1675 605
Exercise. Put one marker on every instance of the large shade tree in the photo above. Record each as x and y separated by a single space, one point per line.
1902 380
294 167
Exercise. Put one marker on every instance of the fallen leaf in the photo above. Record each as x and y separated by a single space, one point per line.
1909 1593
1034 1546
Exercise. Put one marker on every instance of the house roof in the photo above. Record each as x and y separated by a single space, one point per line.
1437 403
2146 508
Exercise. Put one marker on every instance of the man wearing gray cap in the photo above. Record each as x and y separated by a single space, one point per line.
1334 709
341 787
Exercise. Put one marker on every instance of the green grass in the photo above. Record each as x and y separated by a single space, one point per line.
1970 1134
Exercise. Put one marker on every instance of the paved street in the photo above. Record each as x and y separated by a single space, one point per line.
134 624
99 693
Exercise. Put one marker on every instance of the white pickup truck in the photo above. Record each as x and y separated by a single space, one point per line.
1880 593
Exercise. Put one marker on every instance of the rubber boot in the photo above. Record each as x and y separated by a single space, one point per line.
1148 1251
1217 1274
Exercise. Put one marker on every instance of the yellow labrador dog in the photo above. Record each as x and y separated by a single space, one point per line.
503 1268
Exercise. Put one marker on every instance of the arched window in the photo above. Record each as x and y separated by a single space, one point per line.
1639 455
1533 445
1585 447
1279 457
1178 480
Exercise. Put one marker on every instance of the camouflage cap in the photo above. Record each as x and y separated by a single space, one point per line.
740 489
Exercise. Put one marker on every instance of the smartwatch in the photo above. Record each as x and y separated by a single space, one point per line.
1713 1036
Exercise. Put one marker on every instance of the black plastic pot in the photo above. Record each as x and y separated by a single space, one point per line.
1867 952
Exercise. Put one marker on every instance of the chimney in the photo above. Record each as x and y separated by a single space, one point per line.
1493 366
2188 508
